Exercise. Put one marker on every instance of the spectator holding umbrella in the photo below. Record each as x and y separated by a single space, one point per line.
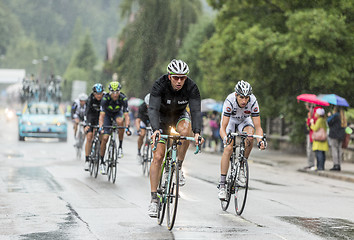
319 146
337 124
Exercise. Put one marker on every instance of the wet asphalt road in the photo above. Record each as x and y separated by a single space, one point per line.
46 194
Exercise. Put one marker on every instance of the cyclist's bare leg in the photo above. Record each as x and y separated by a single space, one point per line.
104 141
119 121
141 138
249 141
225 159
155 168
184 129
89 137
76 123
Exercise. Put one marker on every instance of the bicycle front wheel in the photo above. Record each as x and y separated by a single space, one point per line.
225 203
112 163
241 186
172 197
161 191
96 159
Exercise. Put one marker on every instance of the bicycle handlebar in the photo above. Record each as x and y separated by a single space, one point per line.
178 137
245 135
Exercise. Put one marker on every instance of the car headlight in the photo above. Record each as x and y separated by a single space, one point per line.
61 124
26 123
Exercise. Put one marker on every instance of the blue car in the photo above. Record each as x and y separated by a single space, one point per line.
42 120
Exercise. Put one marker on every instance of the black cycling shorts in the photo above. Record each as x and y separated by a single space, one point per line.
166 122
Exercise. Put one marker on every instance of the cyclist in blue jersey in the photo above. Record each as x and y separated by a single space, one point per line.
91 117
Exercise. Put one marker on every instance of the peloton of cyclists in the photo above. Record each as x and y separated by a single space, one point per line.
142 121
91 117
114 106
169 97
240 110
78 110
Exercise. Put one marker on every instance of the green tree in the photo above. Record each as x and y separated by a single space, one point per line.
197 35
283 49
150 40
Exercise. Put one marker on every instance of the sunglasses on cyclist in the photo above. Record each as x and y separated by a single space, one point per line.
114 92
101 93
177 77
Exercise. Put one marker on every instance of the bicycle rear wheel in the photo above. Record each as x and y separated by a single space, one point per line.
96 158
144 159
172 197
241 186
161 191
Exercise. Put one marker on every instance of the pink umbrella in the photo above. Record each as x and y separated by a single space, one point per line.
311 98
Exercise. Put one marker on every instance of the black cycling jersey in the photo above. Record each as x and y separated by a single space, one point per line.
143 113
108 105
92 110
165 102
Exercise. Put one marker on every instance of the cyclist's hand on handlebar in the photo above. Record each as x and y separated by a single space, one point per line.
262 144
127 131
197 141
155 136
87 128
100 130
227 140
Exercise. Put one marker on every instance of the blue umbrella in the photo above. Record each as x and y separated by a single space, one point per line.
334 99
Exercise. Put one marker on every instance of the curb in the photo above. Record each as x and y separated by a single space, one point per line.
328 174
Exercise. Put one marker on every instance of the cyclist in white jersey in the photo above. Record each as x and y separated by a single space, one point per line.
240 111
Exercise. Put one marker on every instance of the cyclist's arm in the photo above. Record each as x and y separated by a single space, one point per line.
224 122
137 123
126 119
154 111
101 119
195 107
259 131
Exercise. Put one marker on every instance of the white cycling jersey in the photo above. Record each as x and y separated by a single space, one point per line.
79 111
241 117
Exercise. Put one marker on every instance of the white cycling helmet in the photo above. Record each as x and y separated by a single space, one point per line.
177 67
243 88
147 99
83 97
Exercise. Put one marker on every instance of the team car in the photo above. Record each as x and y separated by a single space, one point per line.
42 120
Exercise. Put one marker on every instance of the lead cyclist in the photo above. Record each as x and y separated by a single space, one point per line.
240 110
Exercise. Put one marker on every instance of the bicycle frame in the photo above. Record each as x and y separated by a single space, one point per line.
239 166
167 194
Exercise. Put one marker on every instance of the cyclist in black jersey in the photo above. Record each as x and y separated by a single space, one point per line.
114 106
91 117
142 121
169 97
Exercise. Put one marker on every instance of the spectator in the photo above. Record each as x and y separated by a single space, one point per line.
319 147
215 126
309 141
336 136
207 131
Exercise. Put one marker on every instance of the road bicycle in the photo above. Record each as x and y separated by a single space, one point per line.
111 157
95 152
168 188
80 140
147 153
237 181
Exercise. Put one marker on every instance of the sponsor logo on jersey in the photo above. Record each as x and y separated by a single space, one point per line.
228 109
168 101
247 112
255 109
182 102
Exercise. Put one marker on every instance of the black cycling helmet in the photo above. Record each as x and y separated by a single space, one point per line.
97 88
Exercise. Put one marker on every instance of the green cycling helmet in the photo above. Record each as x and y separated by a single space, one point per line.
114 86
